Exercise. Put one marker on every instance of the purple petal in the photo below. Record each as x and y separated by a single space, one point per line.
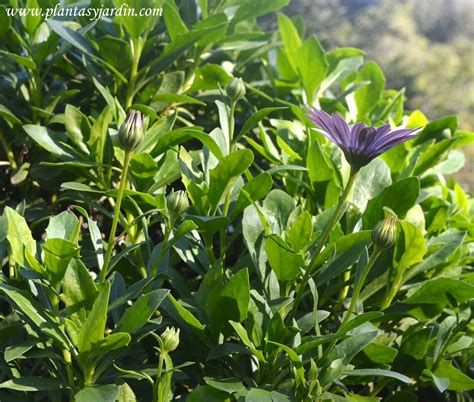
388 138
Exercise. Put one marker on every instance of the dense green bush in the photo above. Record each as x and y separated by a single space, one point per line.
219 258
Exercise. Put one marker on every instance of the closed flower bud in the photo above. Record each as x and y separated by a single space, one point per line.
169 339
177 202
385 232
235 89
131 131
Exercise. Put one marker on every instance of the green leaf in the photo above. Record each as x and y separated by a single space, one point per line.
379 373
103 393
208 394
185 134
312 65
444 246
277 207
188 318
113 341
434 130
93 329
35 313
99 135
24 61
137 24
458 381
174 24
242 333
209 224
177 98
371 181
141 311
300 233
48 140
228 302
32 384
73 37
224 175
441 384
295 359
19 237
367 96
436 153
399 197
291 40
285 262
72 185
7 113
359 320
255 189
237 293
78 127
320 168
342 354
64 226
250 9
435 292
344 68
209 76
31 20
230 385
255 119
5 22
57 255
79 290
380 354
18 350
413 245
176 48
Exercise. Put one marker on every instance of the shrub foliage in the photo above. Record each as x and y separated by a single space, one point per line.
199 264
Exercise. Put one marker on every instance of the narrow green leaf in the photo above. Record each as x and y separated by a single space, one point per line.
94 327
140 312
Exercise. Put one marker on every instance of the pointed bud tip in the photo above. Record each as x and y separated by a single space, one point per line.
170 339
235 89
131 131
384 234
177 202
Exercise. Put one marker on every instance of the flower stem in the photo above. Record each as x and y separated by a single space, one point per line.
358 286
324 237
225 209
397 283
163 249
113 230
355 295
156 391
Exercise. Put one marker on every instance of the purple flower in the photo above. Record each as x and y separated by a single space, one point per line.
359 142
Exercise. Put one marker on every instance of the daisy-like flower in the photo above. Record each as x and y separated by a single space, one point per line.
359 142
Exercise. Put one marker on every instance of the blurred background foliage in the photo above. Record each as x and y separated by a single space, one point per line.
424 46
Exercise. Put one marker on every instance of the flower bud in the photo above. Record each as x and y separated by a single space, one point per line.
235 89
177 202
169 339
131 131
385 232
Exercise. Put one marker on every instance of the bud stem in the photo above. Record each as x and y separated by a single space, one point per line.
156 391
355 295
360 282
324 238
113 230
397 283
